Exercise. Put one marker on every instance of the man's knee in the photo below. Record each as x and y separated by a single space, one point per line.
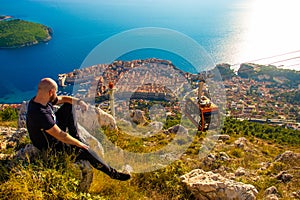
66 106
64 109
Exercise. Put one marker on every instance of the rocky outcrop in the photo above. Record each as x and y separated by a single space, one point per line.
105 119
240 172
241 143
271 193
28 152
87 138
288 157
176 129
11 137
284 176
95 118
295 195
211 159
138 117
209 185
223 137
246 70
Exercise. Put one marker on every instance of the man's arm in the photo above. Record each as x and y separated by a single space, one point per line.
72 100
64 137
67 99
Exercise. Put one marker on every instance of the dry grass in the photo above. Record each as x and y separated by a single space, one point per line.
59 181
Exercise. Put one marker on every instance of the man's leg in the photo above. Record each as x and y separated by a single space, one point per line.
99 164
65 120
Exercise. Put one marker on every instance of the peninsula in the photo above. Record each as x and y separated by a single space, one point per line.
16 33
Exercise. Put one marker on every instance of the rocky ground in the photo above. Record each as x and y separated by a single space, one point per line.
237 168
246 169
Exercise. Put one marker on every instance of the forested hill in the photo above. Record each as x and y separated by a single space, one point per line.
19 33
280 77
267 73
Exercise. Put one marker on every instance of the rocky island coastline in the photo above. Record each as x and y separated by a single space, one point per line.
17 33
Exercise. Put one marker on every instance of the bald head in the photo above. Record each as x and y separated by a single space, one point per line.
47 84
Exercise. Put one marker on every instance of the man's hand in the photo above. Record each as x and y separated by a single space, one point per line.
71 100
64 137
83 146
83 106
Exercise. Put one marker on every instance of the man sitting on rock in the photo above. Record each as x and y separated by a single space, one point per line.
47 130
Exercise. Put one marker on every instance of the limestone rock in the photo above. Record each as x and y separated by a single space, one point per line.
22 115
240 172
271 197
94 118
221 137
11 137
156 126
176 129
271 193
223 156
87 138
28 152
287 156
211 159
106 119
284 176
296 194
138 117
241 142
209 185
224 137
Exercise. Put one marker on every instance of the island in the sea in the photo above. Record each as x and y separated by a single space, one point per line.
15 33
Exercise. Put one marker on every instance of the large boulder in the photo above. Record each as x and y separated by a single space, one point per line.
209 185
87 138
106 119
95 118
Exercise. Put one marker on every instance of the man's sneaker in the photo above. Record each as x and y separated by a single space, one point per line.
120 176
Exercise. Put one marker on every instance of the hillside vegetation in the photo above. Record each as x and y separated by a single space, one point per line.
281 77
18 33
58 178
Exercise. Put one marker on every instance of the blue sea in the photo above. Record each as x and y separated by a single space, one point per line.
220 27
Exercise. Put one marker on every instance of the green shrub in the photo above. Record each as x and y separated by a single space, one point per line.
238 153
8 114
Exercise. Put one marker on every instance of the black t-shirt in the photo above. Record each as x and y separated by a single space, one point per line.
39 119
